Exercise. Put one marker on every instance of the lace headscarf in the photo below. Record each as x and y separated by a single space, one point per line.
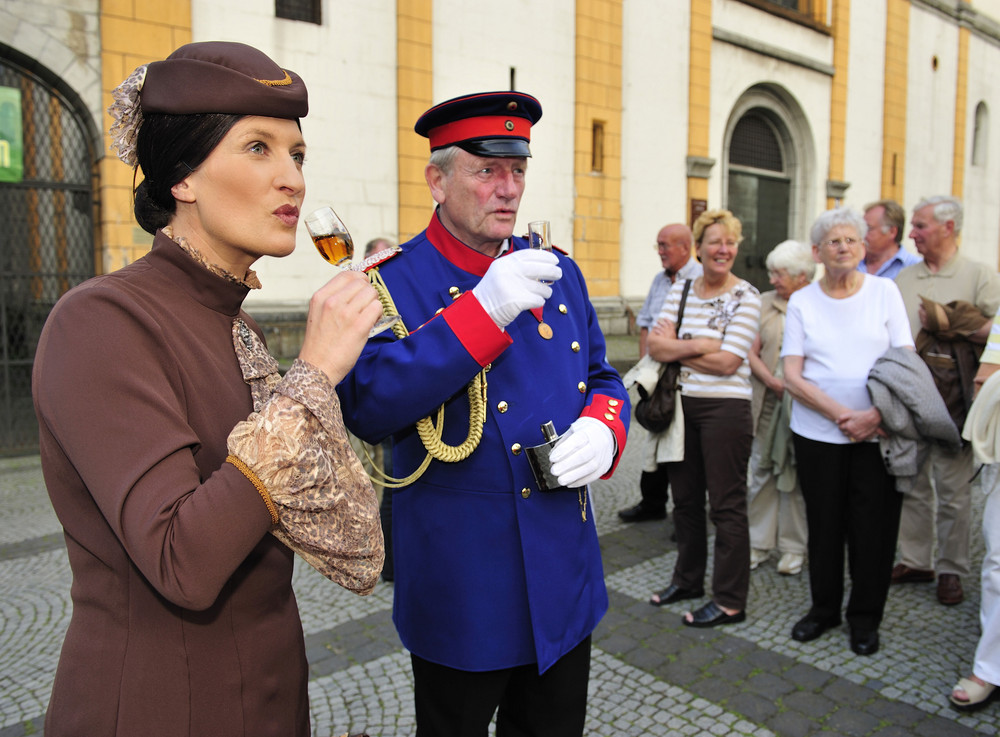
128 116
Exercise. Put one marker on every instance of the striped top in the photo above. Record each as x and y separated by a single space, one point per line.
732 317
992 352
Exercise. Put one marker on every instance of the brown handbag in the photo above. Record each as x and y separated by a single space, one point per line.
655 411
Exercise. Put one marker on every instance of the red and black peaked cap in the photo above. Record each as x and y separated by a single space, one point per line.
487 124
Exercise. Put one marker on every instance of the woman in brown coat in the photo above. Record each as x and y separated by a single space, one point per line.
171 447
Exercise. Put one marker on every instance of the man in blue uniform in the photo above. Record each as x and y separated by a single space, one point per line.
499 584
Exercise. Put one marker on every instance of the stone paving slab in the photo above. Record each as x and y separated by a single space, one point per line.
650 675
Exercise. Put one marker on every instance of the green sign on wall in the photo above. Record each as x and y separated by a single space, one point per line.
11 139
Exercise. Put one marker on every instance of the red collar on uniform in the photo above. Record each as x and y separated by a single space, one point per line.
461 255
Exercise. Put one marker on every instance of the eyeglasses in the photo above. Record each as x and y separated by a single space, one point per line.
661 246
838 242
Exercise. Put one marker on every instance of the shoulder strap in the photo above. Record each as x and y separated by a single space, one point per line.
680 310
379 257
430 434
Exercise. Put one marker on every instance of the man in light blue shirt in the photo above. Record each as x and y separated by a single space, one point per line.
884 254
673 245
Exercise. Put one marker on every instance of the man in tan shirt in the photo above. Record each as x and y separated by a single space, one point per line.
943 276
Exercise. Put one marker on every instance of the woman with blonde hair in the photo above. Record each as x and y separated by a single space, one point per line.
718 327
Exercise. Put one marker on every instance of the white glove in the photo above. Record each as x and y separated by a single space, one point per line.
511 285
584 453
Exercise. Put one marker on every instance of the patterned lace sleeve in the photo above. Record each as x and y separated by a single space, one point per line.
296 444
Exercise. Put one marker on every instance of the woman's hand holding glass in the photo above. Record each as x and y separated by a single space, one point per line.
341 314
334 243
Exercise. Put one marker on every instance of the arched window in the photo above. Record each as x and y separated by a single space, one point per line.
768 163
754 144
47 209
759 191
980 134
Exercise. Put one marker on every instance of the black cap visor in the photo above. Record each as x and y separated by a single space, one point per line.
496 148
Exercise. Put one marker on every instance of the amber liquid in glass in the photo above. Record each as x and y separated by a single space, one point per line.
334 248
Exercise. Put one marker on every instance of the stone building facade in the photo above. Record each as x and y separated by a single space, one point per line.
653 110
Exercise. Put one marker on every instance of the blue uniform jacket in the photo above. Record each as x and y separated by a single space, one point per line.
489 572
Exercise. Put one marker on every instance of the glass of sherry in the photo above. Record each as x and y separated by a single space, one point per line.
334 243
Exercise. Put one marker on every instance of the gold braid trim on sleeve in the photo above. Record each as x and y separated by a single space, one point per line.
258 484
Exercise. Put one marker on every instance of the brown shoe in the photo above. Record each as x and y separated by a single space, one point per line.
904 574
949 589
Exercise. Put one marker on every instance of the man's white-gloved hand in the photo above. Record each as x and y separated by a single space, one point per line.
511 285
584 453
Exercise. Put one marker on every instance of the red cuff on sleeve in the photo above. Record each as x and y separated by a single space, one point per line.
475 329
606 409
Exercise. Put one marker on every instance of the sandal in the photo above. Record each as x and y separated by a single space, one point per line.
980 695
711 615
673 593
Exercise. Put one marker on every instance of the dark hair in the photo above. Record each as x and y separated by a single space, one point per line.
168 148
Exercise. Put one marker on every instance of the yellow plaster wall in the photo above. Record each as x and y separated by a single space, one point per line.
597 201
817 9
894 101
133 32
415 85
699 92
838 90
961 107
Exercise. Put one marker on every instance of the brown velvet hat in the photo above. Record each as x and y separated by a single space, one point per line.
206 77
222 77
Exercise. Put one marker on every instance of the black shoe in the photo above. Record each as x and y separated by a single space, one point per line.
675 593
640 513
864 642
810 627
712 615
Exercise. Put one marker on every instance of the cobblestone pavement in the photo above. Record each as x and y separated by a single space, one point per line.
650 675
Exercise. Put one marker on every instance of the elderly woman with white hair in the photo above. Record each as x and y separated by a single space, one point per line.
835 330
777 511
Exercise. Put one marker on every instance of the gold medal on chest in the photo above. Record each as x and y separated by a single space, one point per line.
545 331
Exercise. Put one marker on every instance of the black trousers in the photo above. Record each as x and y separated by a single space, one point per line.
717 439
458 703
653 487
850 499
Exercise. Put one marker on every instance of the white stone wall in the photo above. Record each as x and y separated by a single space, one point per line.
981 232
930 103
736 69
987 7
63 36
865 104
349 66
654 134
475 47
